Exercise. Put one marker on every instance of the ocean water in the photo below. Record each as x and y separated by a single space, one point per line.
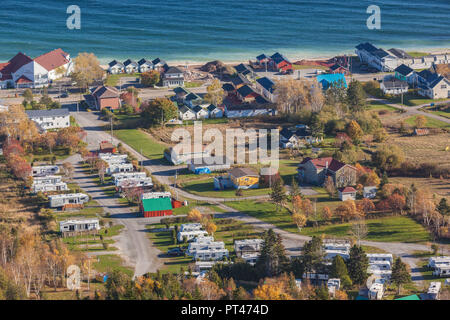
231 30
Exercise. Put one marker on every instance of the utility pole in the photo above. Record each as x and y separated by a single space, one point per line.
112 132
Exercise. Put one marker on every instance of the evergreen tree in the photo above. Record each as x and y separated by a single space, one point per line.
278 194
400 274
322 293
313 255
357 265
356 96
338 268
443 207
384 179
273 260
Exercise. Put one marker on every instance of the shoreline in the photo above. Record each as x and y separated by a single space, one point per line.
292 57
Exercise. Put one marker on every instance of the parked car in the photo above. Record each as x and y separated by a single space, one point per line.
175 252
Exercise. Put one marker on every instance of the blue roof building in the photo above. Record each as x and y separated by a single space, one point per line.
326 80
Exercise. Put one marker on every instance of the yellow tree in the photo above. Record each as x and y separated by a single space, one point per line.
327 213
194 215
211 227
354 131
215 93
86 69
296 203
299 220
420 121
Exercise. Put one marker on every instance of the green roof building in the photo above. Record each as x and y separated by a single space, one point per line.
156 207
411 297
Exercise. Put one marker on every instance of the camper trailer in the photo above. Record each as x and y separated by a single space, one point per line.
119 167
376 290
44 170
190 235
247 246
47 179
49 187
196 246
434 290
63 200
127 175
67 227
210 254
190 227
250 258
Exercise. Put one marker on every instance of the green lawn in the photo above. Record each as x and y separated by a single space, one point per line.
413 99
192 84
417 54
207 121
431 123
205 188
373 105
387 229
110 262
113 79
139 140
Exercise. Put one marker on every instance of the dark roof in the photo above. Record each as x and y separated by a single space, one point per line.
128 62
196 109
173 70
240 68
227 87
211 107
380 53
115 62
262 57
47 113
17 62
278 57
399 53
144 61
192 96
367 47
242 172
236 81
437 81
428 76
336 66
184 109
404 70
178 90
333 165
266 83
105 92
260 99
299 132
158 60
245 91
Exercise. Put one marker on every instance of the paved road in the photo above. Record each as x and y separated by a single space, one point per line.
133 243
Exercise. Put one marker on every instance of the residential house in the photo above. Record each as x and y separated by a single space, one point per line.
156 204
337 68
68 200
173 77
214 112
186 113
50 119
160 65
377 58
405 73
23 72
315 171
297 136
266 88
244 178
180 93
192 99
106 98
394 86
131 66
433 85
347 193
116 67
200 113
79 226
246 94
243 70
145 65
262 60
331 79
237 82
279 63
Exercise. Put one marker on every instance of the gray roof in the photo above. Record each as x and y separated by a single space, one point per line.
47 113
395 83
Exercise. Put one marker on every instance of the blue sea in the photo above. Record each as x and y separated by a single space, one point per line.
230 30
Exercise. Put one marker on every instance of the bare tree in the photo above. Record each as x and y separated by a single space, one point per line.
359 230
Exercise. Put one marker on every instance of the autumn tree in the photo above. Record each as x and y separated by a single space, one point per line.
327 214
86 70
293 95
194 215
215 93
347 210
354 131
211 228
359 229
388 157
420 121
158 111
297 203
365 206
300 220
150 78
329 186
307 208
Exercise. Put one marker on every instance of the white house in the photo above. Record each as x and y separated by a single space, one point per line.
394 86
251 258
266 88
60 200
214 112
433 85
131 66
377 58
178 158
44 170
347 193
200 113
116 67
186 113
405 73
50 119
23 72
82 225
145 65
173 77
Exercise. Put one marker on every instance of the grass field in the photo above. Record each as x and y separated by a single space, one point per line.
431 123
412 99
192 84
205 188
387 229
139 140
373 105
417 54
113 79
110 262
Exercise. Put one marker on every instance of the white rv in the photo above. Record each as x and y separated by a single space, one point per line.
376 290
127 175
190 235
213 254
84 225
190 227
44 170
197 246
119 167
47 179
60 200
247 246
48 187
